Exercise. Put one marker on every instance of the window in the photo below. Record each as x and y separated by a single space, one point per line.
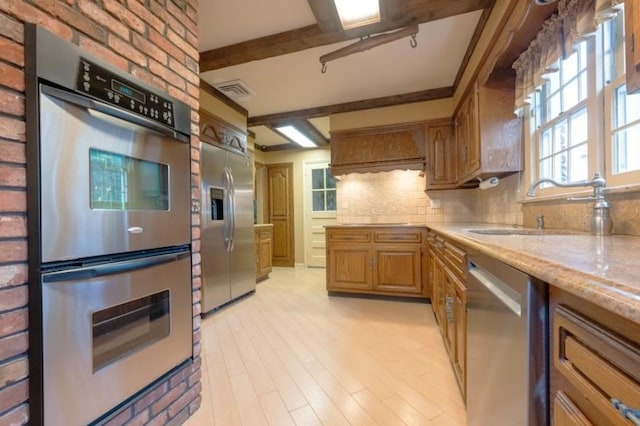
323 190
582 120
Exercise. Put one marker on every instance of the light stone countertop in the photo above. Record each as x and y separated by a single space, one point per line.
262 225
602 270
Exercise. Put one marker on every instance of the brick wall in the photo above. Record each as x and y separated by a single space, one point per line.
155 40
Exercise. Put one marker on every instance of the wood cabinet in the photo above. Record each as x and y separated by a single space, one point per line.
376 260
441 169
595 358
449 301
632 44
264 250
378 149
488 134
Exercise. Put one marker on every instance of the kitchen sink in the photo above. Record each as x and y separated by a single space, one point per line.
518 231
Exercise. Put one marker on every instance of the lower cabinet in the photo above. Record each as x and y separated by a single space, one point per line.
449 301
264 250
595 363
376 260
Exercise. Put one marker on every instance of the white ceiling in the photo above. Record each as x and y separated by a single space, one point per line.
294 81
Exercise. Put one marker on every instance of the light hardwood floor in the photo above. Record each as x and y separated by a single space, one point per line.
292 355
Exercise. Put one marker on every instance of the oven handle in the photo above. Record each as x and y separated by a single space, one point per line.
105 269
113 114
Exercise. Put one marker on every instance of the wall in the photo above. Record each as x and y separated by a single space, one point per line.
297 157
218 108
156 40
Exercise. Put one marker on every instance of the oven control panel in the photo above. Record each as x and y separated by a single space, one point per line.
115 90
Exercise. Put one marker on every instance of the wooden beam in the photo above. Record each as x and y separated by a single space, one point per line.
423 95
309 130
419 11
472 44
222 97
326 15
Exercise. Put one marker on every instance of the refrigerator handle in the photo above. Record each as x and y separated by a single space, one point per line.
228 210
232 197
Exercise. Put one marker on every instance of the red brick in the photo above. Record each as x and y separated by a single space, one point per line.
192 13
148 78
139 420
13 395
93 11
150 49
14 345
13 227
13 201
11 103
179 418
197 283
166 74
184 400
121 418
13 322
11 275
147 16
13 298
196 323
164 44
125 48
14 371
72 17
160 11
11 128
168 398
125 15
17 416
193 65
25 12
11 77
12 176
11 51
182 15
152 396
159 420
12 29
195 258
186 73
194 378
104 53
12 152
192 39
182 44
193 90
13 251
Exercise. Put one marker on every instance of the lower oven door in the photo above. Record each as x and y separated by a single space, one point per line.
110 330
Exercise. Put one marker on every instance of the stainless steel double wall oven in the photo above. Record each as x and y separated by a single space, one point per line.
109 201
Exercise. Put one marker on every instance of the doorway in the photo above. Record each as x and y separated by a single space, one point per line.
319 211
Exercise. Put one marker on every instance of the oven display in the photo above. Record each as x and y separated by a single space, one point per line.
127 91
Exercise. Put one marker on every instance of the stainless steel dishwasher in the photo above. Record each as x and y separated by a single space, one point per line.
507 361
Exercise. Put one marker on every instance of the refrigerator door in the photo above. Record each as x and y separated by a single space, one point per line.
243 261
216 230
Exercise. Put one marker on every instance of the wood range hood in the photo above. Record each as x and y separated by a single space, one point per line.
377 149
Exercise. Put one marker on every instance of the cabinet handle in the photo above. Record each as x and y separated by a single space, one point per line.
626 412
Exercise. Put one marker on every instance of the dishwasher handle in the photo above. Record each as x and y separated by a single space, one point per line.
507 295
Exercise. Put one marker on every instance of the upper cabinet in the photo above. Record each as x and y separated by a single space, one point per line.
378 149
632 45
488 133
441 167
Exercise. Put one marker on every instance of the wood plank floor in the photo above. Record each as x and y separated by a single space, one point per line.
292 355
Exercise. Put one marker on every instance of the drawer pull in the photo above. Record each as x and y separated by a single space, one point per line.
626 412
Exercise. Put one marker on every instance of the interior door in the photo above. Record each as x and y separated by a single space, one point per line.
319 211
280 212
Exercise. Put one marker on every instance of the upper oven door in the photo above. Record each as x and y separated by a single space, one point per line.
108 184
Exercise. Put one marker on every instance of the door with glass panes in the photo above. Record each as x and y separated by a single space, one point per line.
320 211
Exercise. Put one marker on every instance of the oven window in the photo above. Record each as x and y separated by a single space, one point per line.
119 182
123 329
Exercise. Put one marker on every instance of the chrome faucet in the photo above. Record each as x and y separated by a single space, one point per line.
600 217
540 222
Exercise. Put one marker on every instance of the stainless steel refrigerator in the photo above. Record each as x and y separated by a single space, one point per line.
227 239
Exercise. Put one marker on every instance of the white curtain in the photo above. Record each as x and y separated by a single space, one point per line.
574 21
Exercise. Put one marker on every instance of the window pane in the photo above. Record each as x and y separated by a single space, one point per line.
626 150
545 143
570 95
579 163
579 127
583 86
331 182
331 200
553 83
560 167
570 67
554 108
560 136
545 169
318 201
317 179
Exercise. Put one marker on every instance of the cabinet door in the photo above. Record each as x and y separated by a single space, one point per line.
265 253
632 44
565 413
469 147
441 150
349 267
460 333
449 331
398 268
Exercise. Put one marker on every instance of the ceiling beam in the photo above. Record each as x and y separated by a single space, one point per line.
421 96
326 15
418 11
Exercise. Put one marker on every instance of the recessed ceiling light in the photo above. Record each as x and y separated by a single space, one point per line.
356 13
296 136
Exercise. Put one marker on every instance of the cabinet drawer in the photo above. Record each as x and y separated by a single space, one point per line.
355 235
601 365
264 234
456 259
398 236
